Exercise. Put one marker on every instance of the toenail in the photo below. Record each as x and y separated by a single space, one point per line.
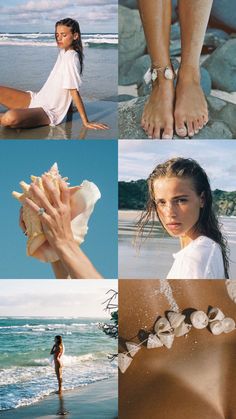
150 136
167 137
196 131
181 129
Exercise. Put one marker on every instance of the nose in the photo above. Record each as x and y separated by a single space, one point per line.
169 209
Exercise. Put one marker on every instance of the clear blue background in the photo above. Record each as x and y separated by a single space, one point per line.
95 161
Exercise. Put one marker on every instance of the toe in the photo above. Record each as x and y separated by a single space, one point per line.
196 126
150 131
181 130
190 128
168 132
205 119
200 123
156 133
180 127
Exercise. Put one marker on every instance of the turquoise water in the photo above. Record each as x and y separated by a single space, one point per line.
26 368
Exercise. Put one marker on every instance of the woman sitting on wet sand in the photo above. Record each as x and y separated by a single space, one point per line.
50 105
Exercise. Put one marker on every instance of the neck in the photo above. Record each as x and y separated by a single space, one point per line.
186 239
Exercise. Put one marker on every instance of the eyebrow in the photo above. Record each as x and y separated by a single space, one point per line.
174 197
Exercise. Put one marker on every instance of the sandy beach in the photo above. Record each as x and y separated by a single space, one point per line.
72 129
97 400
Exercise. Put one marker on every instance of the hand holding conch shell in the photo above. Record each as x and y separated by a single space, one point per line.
55 218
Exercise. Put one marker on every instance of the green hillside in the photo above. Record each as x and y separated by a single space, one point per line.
133 196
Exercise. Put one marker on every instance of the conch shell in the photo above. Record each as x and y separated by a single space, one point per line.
215 314
167 339
82 201
133 348
182 329
216 327
199 319
175 319
164 331
124 362
153 342
228 324
162 325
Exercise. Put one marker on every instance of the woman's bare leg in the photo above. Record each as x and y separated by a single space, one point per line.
25 118
58 370
18 115
13 98
191 112
158 112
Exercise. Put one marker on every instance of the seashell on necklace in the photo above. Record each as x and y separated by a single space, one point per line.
82 201
175 326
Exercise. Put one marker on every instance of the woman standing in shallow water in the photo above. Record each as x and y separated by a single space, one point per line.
57 351
181 198
183 109
50 105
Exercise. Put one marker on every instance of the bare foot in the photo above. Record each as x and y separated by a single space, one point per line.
157 119
191 112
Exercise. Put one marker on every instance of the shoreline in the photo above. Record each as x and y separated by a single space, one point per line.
93 400
72 129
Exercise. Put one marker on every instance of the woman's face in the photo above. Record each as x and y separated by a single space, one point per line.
65 37
178 205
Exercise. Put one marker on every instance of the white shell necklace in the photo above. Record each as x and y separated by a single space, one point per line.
175 324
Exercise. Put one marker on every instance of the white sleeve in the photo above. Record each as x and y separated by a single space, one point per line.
71 76
205 262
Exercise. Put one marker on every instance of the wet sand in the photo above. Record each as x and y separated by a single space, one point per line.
97 400
72 129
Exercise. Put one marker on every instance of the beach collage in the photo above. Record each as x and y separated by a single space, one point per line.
118 209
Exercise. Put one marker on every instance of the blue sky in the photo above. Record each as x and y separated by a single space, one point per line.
41 15
218 157
55 298
95 161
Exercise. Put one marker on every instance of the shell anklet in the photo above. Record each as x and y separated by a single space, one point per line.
166 329
153 72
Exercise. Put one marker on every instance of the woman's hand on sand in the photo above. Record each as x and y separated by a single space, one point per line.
95 125
56 219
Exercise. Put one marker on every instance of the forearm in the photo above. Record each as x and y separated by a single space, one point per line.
75 262
79 105
59 270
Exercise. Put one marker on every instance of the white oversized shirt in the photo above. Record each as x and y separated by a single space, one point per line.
200 259
54 97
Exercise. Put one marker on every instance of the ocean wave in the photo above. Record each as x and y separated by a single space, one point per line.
36 383
48 40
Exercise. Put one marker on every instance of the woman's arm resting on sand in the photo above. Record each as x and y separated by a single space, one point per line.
81 109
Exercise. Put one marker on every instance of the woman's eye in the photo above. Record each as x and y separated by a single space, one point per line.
181 200
160 203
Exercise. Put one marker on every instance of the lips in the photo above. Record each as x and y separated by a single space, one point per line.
173 226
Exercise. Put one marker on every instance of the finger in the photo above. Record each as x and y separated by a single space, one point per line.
41 198
65 192
52 193
35 208
21 221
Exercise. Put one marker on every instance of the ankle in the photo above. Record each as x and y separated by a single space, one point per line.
189 73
